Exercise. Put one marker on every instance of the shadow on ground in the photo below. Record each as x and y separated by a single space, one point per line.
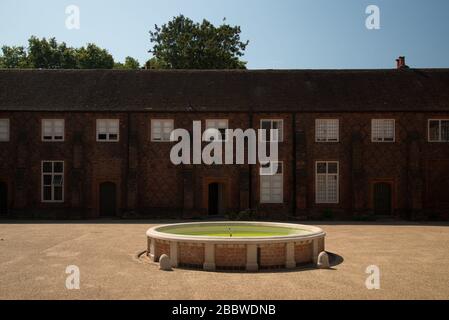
334 260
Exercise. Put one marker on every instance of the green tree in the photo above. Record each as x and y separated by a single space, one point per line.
93 57
155 63
130 63
49 54
14 57
184 44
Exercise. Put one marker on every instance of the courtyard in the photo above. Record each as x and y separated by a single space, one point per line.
412 258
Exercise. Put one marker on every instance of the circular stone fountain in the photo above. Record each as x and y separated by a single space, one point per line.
236 245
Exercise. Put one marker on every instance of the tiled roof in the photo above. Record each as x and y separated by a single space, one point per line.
224 91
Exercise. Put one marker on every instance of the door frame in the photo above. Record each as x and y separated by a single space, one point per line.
392 183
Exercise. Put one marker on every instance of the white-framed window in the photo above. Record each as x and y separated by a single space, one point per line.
327 130
272 183
161 129
219 124
52 181
4 130
108 130
326 182
272 124
438 130
52 129
382 130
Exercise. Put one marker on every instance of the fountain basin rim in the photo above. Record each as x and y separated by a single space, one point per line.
315 232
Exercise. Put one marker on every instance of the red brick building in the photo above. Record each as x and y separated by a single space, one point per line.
354 143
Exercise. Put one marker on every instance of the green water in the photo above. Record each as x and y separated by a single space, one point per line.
233 231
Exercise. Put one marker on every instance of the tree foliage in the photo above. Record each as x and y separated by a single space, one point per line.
184 44
13 57
49 54
130 63
155 63
93 57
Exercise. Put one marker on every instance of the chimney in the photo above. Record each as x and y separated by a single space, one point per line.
400 63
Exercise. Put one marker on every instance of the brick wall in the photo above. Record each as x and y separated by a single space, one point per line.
191 254
147 182
303 252
272 255
230 255
161 247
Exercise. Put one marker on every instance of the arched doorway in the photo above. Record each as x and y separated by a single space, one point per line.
216 203
382 196
108 199
3 199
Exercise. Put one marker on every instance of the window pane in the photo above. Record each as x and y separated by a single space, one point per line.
47 194
47 128
166 136
57 180
266 125
101 126
113 127
58 167
321 189
102 136
280 128
389 129
332 129
277 184
376 130
47 167
434 130
332 167
59 131
320 130
58 193
47 179
445 130
321 167
332 189
113 136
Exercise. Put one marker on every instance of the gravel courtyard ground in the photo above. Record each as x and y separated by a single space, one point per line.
413 260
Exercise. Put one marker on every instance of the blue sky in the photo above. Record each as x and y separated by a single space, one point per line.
283 34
